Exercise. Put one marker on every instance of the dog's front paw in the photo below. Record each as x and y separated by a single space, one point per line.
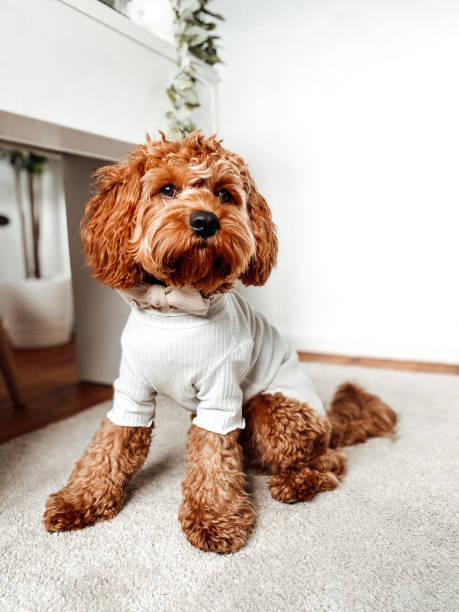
71 509
221 531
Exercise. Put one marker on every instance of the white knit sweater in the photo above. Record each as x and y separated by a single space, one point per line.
208 364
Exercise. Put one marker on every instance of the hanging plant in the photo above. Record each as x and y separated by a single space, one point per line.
194 31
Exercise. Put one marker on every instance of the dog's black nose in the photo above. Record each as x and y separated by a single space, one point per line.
204 223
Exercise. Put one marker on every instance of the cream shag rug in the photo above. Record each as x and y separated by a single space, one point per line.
384 540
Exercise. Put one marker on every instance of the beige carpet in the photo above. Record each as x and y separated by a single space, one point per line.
384 540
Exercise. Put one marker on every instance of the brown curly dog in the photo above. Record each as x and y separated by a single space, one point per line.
145 227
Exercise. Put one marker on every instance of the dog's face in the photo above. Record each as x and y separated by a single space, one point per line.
185 213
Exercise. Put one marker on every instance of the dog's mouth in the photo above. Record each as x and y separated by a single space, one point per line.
149 279
202 242
208 263
200 266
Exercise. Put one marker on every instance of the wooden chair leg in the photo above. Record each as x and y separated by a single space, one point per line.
8 368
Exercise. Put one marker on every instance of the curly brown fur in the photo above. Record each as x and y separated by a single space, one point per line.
130 231
216 513
281 432
134 231
356 415
290 440
96 487
331 461
303 482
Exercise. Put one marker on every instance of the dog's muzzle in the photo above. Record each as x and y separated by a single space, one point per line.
204 223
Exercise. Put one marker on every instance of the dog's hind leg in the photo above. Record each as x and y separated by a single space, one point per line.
96 487
356 415
291 441
303 482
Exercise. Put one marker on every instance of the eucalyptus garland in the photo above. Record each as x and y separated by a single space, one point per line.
194 30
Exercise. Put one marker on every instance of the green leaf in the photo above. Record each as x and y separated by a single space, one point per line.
194 37
216 15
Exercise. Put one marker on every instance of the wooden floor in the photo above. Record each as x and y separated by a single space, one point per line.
49 383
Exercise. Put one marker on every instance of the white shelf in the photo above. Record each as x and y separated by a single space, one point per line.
110 18
34 133
79 67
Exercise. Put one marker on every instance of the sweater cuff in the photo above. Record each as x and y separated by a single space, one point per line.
218 423
129 420
131 415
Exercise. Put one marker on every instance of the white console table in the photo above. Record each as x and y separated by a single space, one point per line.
82 80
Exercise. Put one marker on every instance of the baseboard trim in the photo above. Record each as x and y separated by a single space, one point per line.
390 364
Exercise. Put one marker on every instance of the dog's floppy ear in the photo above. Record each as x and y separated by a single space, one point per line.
108 222
264 232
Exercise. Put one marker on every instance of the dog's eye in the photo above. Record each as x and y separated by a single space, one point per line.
225 196
168 191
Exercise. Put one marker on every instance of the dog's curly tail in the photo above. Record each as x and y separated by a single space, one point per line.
356 415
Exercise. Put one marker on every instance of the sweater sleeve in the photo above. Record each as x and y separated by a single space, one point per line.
134 399
220 397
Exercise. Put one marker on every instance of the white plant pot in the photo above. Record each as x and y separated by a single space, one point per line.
37 312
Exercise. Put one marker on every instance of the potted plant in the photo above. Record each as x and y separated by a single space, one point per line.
37 310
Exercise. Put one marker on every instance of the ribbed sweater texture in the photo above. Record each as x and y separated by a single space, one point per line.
209 364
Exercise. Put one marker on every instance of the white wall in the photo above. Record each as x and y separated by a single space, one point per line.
80 64
348 115
54 254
